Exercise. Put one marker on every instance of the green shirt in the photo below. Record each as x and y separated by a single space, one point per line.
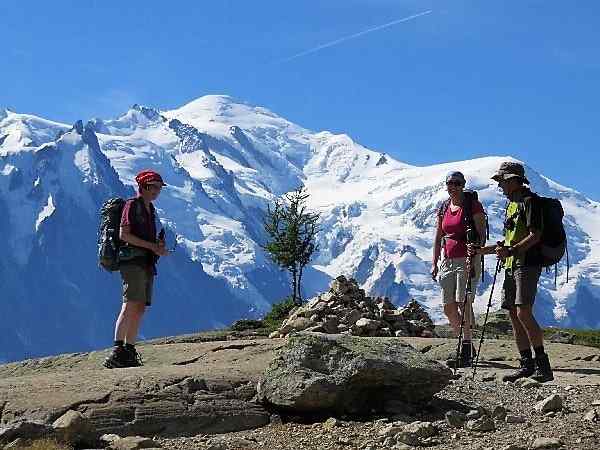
522 215
516 233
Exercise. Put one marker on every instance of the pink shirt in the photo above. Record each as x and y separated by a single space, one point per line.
455 230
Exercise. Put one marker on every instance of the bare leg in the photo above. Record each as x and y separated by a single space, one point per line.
122 323
467 334
521 336
136 312
535 334
451 311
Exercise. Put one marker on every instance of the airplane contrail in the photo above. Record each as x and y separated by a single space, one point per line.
352 36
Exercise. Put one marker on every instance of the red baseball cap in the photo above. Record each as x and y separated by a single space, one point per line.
149 177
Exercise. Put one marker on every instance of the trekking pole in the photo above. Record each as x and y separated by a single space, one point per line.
466 304
487 312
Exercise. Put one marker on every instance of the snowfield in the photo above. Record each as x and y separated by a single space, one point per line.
224 161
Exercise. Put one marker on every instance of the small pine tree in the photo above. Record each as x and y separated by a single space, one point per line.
292 231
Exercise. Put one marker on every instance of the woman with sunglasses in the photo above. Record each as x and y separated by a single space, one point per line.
460 219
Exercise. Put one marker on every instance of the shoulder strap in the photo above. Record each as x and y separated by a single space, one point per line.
534 197
139 206
443 208
468 207
139 209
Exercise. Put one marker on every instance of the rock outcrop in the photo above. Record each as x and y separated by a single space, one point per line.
179 392
318 373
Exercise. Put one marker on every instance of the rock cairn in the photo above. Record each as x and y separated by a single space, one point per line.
346 309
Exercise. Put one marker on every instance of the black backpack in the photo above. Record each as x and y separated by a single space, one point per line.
553 244
108 234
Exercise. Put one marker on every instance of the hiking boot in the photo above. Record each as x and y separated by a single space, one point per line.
526 370
543 371
465 359
134 359
117 359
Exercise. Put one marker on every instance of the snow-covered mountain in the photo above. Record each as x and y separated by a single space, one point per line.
224 161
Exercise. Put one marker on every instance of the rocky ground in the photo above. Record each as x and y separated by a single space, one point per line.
224 369
566 429
517 423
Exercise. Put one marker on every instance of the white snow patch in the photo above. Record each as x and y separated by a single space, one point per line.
46 212
8 169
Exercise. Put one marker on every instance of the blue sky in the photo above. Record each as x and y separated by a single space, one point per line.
472 78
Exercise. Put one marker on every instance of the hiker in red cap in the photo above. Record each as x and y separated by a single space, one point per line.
137 264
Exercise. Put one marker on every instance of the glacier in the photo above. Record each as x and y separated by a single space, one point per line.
224 161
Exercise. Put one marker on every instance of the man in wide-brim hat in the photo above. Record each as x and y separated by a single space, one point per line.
522 258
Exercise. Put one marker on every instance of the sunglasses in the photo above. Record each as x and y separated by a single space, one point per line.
453 183
155 187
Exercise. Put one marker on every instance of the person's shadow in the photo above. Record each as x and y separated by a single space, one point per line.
582 371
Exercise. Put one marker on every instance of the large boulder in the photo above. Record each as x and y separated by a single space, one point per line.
73 428
316 372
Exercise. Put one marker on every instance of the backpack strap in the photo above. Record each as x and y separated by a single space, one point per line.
468 208
443 208
535 198
139 209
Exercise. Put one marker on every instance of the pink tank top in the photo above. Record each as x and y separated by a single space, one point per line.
455 230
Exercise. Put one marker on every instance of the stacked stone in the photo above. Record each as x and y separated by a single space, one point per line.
346 309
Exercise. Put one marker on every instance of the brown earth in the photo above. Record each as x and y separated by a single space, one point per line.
194 386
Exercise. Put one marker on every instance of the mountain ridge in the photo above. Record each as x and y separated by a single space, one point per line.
225 162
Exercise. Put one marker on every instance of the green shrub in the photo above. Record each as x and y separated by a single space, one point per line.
247 324
279 312
590 338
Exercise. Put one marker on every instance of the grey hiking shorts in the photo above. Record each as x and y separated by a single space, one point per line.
138 282
453 279
520 286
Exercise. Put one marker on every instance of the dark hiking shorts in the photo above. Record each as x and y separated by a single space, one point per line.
520 286
137 283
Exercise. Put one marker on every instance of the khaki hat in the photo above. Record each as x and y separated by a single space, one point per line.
510 170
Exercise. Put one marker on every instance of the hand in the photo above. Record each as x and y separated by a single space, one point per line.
434 271
160 249
502 252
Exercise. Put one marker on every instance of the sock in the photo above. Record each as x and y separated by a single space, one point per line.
467 347
539 351
526 354
119 343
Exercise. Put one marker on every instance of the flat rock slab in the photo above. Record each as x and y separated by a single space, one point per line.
317 372
184 388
